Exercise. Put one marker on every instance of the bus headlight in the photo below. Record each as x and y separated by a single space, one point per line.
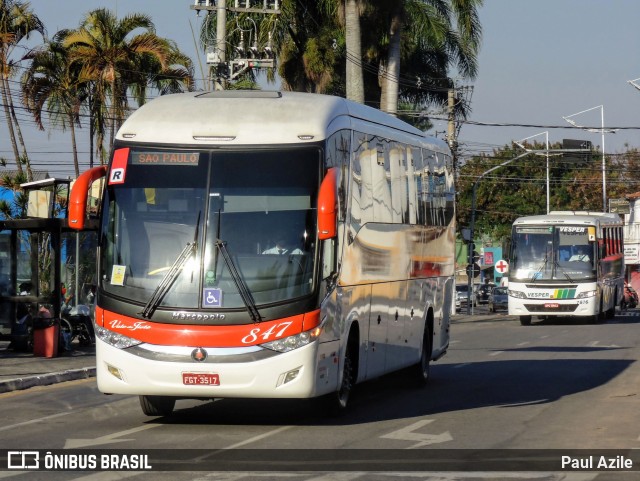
114 339
586 294
290 343
517 294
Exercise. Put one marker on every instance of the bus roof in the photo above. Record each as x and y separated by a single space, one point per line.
571 217
235 117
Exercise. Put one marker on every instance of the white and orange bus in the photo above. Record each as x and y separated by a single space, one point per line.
268 245
566 263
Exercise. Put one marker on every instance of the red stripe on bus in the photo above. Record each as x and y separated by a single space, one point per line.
119 166
209 336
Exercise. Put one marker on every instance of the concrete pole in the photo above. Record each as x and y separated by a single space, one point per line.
221 40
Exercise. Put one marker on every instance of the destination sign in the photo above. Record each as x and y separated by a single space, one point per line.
534 230
165 158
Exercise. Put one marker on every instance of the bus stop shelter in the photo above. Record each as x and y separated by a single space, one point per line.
32 263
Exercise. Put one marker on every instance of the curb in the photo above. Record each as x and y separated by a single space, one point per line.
27 382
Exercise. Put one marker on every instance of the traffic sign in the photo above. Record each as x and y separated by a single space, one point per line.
619 206
502 267
473 270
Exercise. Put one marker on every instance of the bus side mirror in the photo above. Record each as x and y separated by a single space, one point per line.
327 206
79 194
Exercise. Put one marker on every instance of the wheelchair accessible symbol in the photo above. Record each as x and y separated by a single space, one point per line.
212 297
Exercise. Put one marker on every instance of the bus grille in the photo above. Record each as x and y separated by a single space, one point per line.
556 308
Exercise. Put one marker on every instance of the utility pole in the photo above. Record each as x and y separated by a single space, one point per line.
221 40
251 58
451 127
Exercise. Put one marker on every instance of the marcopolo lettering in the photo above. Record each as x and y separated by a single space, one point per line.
193 316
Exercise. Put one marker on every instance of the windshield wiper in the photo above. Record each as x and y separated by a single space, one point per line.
171 275
542 266
559 267
243 289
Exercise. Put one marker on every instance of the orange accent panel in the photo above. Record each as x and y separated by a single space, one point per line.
210 336
79 194
311 320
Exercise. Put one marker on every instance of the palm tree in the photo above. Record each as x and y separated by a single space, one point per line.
432 42
50 82
354 75
110 54
176 77
17 21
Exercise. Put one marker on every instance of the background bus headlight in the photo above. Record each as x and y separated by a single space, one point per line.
584 295
293 342
115 339
518 294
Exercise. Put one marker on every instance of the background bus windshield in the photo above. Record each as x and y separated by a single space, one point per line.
552 253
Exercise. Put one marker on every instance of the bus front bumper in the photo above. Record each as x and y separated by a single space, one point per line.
148 370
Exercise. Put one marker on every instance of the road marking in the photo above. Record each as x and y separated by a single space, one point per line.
523 343
496 353
461 365
339 476
108 476
597 344
407 434
243 443
106 439
258 437
34 421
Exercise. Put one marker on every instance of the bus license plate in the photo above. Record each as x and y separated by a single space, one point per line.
551 305
200 379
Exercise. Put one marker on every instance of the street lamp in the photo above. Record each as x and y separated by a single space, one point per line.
602 131
473 221
634 83
520 143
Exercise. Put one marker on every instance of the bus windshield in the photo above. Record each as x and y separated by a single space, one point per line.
260 204
553 253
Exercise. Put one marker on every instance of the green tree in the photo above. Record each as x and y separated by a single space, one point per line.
519 188
433 40
51 83
16 208
17 22
111 55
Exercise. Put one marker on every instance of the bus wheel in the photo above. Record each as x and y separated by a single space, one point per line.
157 405
422 370
525 320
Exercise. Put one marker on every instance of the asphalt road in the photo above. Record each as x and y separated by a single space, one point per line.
503 392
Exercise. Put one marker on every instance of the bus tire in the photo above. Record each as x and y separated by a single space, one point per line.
157 405
422 370
525 320
344 393
337 402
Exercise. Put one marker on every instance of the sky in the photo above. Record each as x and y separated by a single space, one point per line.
539 61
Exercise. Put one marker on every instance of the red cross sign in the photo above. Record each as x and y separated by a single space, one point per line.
501 266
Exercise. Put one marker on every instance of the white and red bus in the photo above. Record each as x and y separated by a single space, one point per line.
566 263
268 245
